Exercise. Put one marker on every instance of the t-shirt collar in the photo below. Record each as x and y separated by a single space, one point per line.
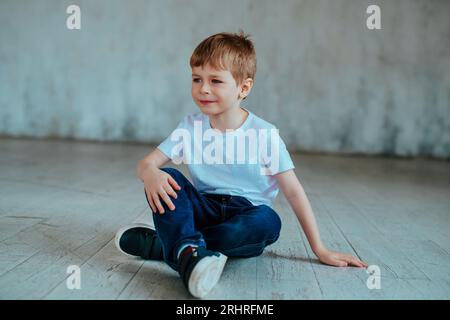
242 127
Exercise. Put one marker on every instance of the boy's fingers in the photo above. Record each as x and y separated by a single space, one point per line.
355 262
167 200
152 205
349 258
360 263
363 264
174 183
150 201
341 263
158 203
170 191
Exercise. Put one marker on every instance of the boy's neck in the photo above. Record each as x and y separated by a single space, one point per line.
231 119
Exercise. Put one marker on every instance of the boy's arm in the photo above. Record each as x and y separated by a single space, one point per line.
296 196
154 160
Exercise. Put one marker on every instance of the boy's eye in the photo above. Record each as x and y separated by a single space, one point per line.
214 81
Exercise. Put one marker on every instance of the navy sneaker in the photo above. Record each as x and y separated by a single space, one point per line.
200 269
139 240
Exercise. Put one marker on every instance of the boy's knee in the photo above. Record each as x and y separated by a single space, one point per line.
271 221
174 173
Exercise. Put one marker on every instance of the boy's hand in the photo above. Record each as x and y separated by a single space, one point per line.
339 259
158 183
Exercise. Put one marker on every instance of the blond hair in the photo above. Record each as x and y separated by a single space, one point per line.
227 51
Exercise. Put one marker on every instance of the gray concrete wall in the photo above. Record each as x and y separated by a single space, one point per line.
323 78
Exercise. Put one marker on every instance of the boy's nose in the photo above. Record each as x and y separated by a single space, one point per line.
204 89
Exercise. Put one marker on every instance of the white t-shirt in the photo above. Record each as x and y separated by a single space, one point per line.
241 162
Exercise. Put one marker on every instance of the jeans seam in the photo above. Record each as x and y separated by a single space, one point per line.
254 244
222 211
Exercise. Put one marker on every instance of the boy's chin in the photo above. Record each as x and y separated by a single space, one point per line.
209 110
212 110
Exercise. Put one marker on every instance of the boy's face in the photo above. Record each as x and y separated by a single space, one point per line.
215 91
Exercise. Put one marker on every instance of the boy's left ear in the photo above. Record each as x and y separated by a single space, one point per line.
246 87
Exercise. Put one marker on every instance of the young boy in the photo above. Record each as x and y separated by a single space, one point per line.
227 210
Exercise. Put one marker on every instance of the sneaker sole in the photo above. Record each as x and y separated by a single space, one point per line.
205 275
122 231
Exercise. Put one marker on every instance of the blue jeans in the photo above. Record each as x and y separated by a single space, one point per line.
229 224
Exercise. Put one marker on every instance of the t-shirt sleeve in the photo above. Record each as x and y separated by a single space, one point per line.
286 162
173 146
278 159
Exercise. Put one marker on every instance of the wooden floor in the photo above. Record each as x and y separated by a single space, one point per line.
62 202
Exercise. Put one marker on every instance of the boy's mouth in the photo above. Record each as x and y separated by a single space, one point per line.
206 101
